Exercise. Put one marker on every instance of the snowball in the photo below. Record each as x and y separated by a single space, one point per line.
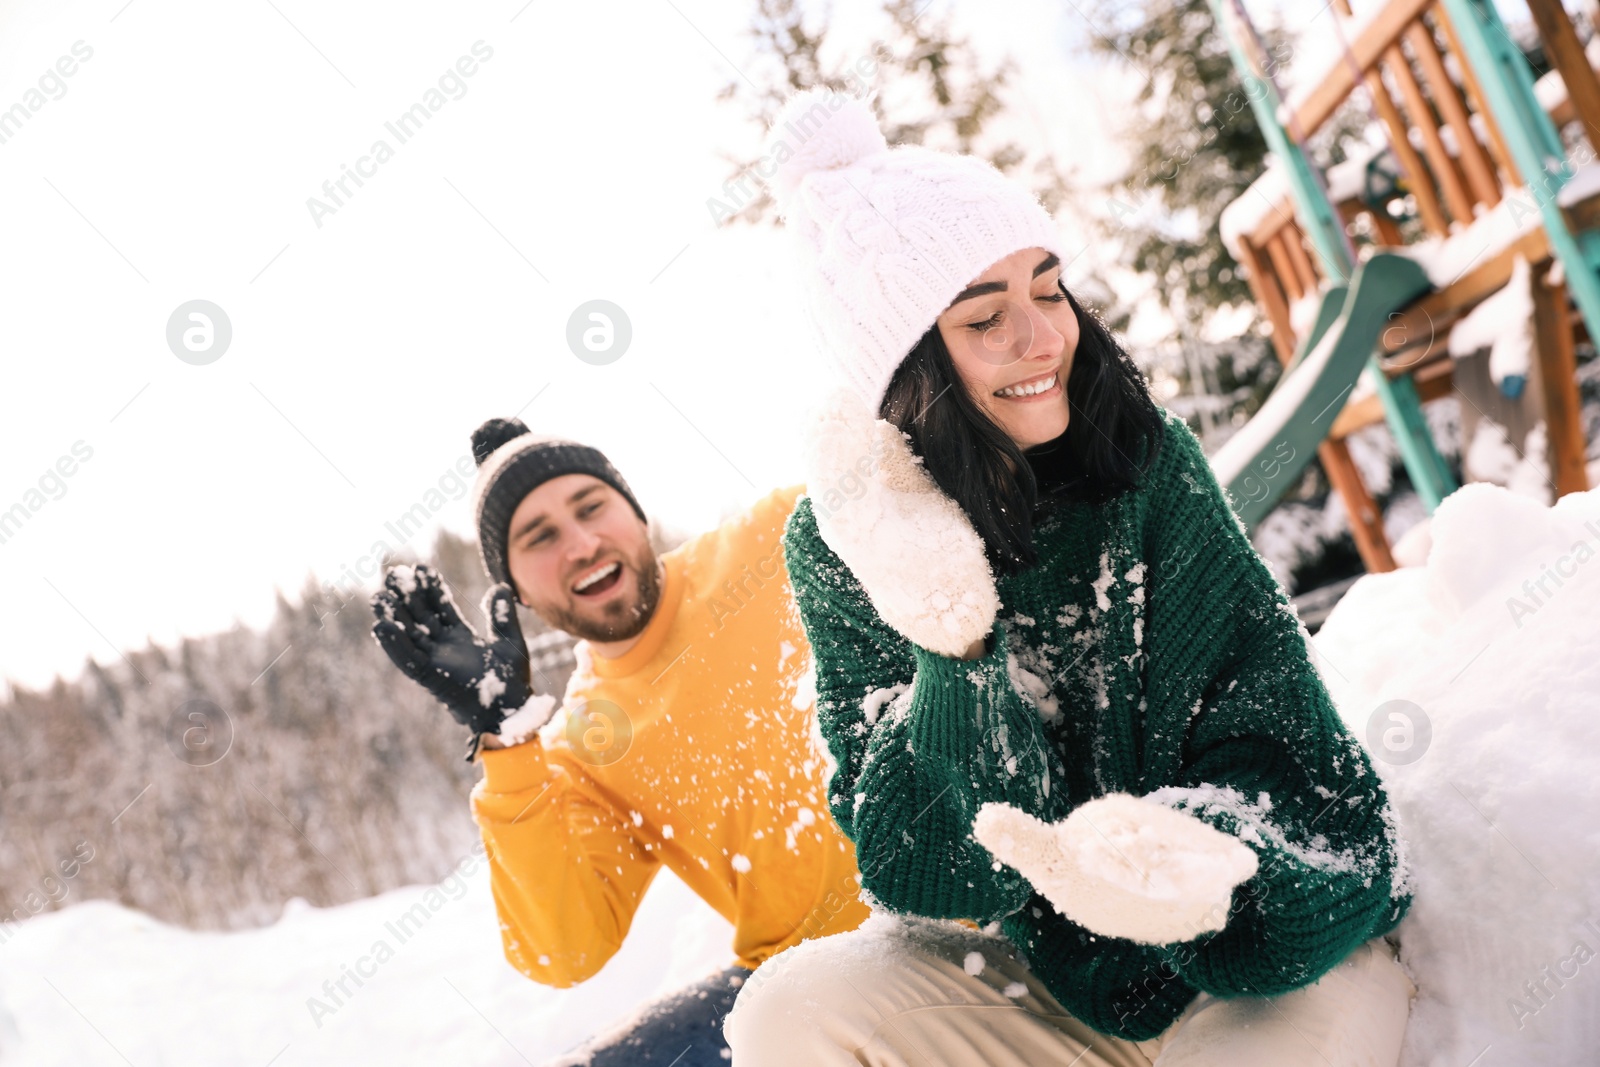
1413 546
1503 323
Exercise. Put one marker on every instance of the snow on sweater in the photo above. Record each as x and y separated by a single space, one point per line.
1149 651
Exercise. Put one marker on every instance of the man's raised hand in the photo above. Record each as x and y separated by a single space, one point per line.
480 682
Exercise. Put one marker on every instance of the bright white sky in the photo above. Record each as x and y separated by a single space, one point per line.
577 166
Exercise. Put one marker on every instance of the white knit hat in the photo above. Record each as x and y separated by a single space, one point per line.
888 236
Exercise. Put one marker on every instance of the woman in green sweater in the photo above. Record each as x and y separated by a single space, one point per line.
1064 701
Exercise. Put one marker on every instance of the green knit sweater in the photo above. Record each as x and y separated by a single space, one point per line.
1149 651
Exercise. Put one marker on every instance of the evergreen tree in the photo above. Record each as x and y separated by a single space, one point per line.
1194 147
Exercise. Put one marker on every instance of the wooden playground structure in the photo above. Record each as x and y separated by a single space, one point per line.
1472 158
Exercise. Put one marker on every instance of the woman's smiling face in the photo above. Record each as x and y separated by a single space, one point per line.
1012 334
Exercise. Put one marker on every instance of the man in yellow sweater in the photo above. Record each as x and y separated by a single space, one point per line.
683 740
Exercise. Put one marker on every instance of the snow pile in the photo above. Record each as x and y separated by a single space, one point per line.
1446 260
1491 457
1303 313
1475 681
1584 183
415 975
1318 53
1123 866
1348 179
1251 207
1252 439
1502 323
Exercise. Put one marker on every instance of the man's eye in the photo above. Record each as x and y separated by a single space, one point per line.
589 509
541 537
1053 297
989 323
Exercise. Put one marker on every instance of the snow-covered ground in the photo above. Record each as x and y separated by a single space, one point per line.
1475 678
98 984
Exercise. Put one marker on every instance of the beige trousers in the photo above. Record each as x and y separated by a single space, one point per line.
898 993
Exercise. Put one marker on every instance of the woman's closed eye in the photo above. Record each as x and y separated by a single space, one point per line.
990 323
994 321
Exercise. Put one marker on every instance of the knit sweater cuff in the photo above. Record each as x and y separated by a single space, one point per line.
948 672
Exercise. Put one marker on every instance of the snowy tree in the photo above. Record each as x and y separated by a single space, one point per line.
1193 147
932 89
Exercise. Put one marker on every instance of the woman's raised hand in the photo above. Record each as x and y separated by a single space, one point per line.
909 545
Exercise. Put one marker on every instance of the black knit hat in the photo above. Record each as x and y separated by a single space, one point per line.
512 463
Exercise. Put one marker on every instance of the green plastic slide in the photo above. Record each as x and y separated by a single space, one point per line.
1258 464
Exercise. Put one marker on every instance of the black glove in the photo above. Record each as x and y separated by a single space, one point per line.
418 626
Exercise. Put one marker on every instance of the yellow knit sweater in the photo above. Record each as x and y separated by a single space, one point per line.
692 750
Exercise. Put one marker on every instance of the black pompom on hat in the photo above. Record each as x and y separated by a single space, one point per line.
494 433
513 462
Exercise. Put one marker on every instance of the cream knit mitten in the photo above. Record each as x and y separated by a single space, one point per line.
1123 866
910 546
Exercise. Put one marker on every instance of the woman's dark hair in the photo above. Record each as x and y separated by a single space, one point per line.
1112 437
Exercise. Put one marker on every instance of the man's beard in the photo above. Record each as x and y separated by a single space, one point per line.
622 620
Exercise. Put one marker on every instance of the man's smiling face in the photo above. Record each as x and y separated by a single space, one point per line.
580 558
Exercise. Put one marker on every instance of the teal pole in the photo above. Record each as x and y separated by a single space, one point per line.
1315 211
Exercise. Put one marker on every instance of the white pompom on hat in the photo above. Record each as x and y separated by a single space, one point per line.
888 236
